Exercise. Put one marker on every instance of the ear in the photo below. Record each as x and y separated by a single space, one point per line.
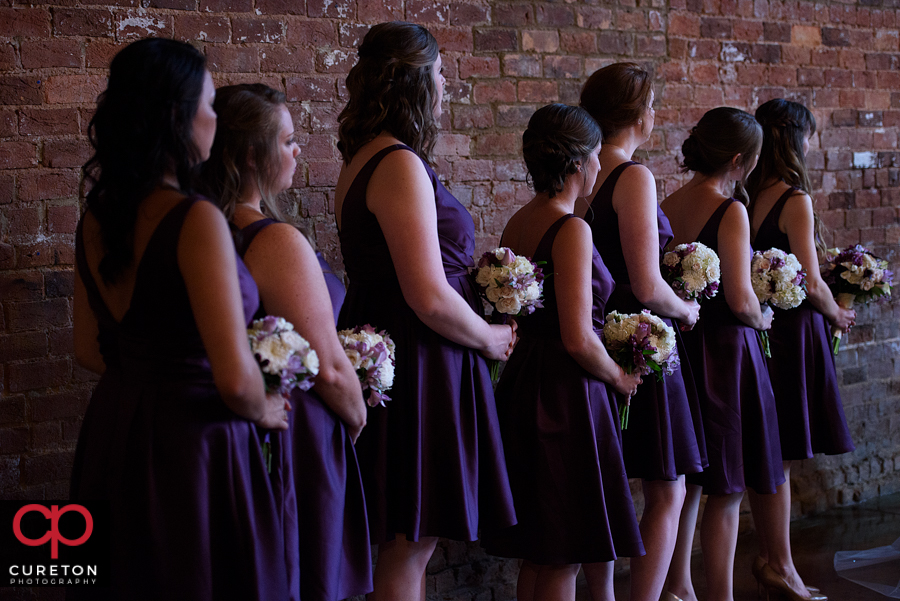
736 161
578 166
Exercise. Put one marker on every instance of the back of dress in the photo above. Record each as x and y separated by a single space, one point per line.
195 514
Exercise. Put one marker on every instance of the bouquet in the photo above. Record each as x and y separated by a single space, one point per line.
692 270
286 360
640 343
779 280
372 355
855 275
510 284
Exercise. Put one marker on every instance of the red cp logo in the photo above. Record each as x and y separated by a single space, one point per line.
53 534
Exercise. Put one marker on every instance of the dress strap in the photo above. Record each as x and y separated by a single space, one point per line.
248 234
711 238
95 299
544 249
775 212
365 174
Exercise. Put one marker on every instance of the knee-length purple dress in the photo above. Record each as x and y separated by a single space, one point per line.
810 412
432 459
664 437
561 437
195 514
736 399
335 554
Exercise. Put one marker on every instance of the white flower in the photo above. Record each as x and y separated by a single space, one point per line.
509 305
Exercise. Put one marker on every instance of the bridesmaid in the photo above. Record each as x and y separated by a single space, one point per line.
432 460
161 310
253 159
664 437
736 399
810 413
557 412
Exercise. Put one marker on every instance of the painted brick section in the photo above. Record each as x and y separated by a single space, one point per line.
502 60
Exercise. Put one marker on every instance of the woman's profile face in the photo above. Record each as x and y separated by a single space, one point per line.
805 146
287 149
649 117
591 171
439 81
203 128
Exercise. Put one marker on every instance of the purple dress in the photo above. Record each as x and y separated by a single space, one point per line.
561 437
664 437
335 555
736 398
810 412
432 459
195 514
336 289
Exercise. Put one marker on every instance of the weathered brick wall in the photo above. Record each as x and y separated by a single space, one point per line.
502 60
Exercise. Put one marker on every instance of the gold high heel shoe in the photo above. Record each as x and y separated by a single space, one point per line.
667 596
756 570
777 587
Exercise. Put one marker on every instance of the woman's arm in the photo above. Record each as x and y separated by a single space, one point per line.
85 330
735 256
572 254
291 285
206 258
401 197
634 201
799 225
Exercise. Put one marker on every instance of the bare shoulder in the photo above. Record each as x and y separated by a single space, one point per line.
735 217
280 237
203 214
576 232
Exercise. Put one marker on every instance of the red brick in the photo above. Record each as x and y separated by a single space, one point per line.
376 11
133 25
777 32
7 260
18 155
323 117
866 199
538 41
13 440
291 59
811 77
782 76
452 145
748 31
62 219
578 42
301 89
468 14
46 185
99 53
835 37
454 39
7 190
796 55
24 22
313 34
74 89
41 469
479 66
204 28
509 170
44 374
457 91
513 15
522 65
473 170
82 22
58 406
555 15
713 27
650 45
20 90
12 410
495 91
59 283
21 346
174 4
233 59
51 53
684 25
495 39
614 42
230 6
592 17
254 30
565 67
631 21
766 53
514 116
61 342
425 11
22 286
281 7
66 153
323 173
538 91
468 117
48 122
332 9
334 61
498 144
853 98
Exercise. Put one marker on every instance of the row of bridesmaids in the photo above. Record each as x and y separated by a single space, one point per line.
174 434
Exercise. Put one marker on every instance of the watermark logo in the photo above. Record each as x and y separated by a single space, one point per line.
53 534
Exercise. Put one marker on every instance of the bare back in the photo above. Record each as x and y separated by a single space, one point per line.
689 209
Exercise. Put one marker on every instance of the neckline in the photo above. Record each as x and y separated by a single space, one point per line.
778 204
378 155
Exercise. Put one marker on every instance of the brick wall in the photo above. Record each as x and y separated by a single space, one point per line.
502 60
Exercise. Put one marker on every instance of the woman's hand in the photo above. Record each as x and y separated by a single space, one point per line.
626 384
844 319
503 340
275 412
767 315
692 315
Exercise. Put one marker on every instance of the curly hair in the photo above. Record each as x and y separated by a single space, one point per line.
246 133
617 96
720 135
785 123
142 128
392 89
558 137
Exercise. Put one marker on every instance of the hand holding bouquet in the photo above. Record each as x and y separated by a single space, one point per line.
778 280
855 275
372 355
640 343
284 356
692 270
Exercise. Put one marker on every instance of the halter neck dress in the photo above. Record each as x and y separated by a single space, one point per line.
561 436
810 412
664 437
335 555
195 513
432 460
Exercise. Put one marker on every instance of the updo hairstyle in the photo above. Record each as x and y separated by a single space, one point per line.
558 137
246 132
392 89
617 96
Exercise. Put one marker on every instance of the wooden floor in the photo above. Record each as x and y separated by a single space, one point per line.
815 540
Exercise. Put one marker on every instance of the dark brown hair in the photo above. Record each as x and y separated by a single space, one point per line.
617 96
558 136
246 133
784 123
721 134
392 89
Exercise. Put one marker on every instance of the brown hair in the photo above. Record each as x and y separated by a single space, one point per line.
617 96
246 132
721 134
785 123
392 89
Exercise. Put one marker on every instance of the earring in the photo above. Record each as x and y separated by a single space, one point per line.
641 122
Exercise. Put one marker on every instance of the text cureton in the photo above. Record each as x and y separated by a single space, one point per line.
52 570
